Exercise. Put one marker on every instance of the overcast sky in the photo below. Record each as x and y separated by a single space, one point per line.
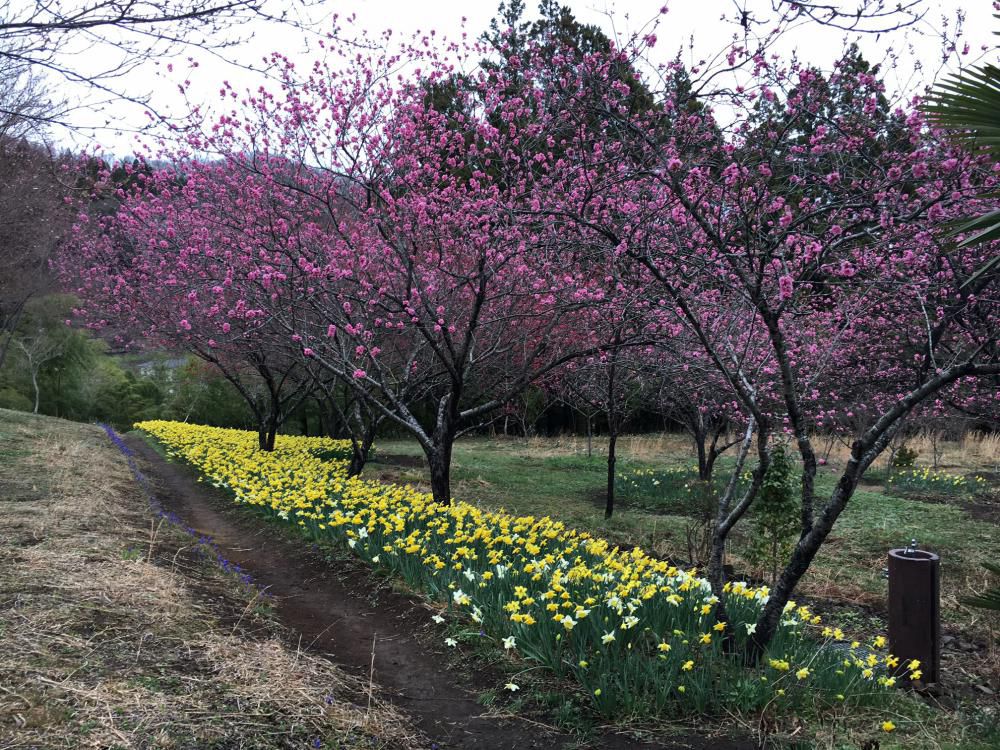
685 20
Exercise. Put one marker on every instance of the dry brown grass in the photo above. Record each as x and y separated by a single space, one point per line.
105 645
656 446
975 451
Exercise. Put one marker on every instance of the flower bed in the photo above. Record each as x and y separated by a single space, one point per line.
637 634
927 481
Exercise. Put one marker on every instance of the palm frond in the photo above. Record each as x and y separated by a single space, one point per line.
984 228
968 104
989 599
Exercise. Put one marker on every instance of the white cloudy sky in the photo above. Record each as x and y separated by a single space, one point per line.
686 20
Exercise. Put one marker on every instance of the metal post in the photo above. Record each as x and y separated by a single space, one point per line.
915 609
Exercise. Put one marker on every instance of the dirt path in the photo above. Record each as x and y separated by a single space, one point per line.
330 605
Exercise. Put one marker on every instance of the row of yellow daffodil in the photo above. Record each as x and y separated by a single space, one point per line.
638 634
932 480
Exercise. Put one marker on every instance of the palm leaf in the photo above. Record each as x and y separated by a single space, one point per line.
968 105
985 228
989 599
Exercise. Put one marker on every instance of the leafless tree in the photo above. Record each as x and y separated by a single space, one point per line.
25 102
860 16
48 37
33 216
39 348
759 26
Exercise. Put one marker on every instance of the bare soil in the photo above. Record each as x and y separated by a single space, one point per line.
981 508
338 608
400 459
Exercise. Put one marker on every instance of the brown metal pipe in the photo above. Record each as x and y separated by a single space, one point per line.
915 609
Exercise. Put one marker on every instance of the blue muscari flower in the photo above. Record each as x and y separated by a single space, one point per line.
202 540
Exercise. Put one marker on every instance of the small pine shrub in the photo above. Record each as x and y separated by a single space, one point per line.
776 516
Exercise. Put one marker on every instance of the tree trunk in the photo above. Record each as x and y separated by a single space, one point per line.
590 437
710 465
359 453
609 507
439 463
726 517
699 437
439 446
267 432
717 561
38 393
358 461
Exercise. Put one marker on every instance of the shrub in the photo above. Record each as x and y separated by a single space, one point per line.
775 516
12 399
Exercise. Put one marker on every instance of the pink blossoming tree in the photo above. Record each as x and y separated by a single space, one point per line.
797 249
438 235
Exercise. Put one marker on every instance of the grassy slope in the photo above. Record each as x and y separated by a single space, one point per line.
115 636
